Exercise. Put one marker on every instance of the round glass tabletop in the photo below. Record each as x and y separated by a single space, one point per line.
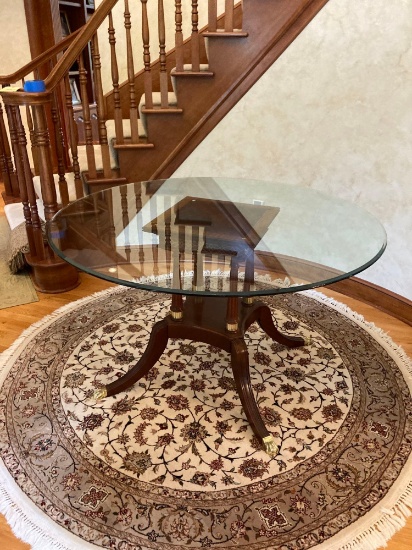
215 236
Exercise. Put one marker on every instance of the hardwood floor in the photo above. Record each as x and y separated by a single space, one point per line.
14 320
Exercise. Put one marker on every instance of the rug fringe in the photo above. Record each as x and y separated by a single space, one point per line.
390 345
386 527
40 535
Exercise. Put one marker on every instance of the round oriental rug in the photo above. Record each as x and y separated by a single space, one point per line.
172 463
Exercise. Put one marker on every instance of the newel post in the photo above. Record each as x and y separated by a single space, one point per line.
49 273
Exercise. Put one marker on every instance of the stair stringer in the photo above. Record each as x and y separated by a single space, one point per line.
237 64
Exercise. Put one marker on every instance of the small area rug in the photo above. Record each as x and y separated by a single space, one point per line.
15 289
172 463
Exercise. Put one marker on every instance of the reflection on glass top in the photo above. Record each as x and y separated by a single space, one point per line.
216 236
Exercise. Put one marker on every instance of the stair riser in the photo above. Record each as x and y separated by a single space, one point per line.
139 165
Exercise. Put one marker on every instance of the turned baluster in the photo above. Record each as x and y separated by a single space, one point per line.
176 311
195 256
148 85
229 14
221 266
111 233
12 123
73 137
178 36
131 76
59 144
176 257
13 136
125 221
97 218
118 123
155 246
88 134
232 314
138 195
195 38
249 277
42 139
11 187
168 233
100 107
212 16
182 252
4 175
164 101
31 134
200 280
27 193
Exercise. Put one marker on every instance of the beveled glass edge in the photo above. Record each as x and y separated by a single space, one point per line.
240 293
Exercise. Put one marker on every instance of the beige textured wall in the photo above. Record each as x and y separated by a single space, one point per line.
14 43
334 113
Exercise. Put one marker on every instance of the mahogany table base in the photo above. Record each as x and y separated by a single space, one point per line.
207 319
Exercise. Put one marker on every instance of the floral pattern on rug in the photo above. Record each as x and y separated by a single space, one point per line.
183 424
172 464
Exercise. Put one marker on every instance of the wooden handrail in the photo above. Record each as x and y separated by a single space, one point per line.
73 45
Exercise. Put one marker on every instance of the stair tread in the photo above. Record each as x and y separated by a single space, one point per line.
129 145
192 73
237 33
187 71
101 179
156 98
159 109
110 126
69 176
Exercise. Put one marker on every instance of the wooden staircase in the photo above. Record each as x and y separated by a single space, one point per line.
236 60
148 124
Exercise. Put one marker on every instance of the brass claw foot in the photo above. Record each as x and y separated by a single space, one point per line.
270 447
100 394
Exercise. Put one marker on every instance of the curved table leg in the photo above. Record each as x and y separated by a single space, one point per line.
241 374
266 323
155 347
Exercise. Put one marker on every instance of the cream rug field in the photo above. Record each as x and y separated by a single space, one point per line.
172 463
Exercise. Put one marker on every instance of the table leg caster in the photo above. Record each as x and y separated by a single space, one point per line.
270 446
100 394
